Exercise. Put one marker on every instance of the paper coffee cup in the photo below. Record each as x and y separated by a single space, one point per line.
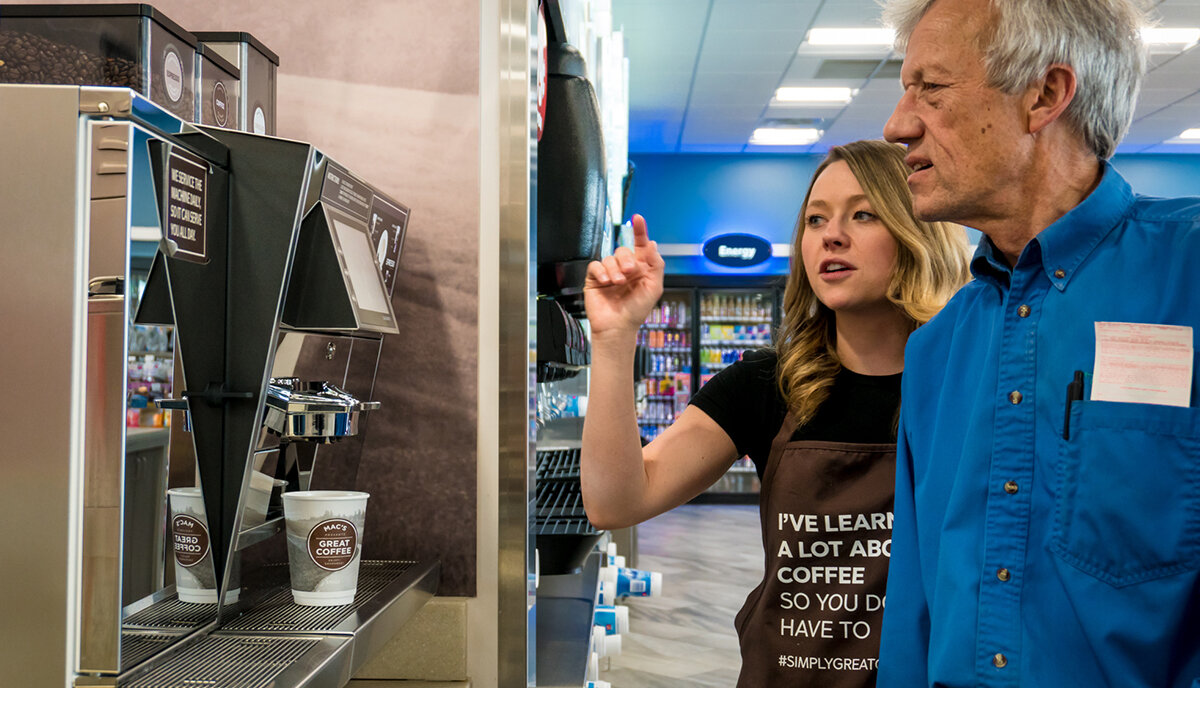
195 578
324 541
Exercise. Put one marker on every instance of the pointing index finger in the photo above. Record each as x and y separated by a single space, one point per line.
641 237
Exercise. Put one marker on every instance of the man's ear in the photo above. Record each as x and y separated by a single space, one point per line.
1049 96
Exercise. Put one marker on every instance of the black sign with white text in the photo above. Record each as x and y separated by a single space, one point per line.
186 190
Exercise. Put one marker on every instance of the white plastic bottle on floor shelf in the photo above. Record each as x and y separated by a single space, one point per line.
597 684
638 583
606 594
603 644
627 582
614 619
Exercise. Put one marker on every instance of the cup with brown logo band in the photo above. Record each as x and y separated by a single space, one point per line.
195 578
324 541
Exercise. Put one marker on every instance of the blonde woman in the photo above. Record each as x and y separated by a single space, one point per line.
817 414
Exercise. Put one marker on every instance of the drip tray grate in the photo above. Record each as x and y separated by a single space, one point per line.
277 613
172 614
137 647
227 662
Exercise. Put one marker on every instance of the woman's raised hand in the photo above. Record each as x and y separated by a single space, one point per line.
621 289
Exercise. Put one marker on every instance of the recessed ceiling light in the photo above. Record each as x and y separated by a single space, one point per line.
785 136
1191 134
844 36
1171 35
815 94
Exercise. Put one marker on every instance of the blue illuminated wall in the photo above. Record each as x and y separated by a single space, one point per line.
689 198
1161 174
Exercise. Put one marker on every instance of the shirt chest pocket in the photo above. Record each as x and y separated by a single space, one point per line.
1128 498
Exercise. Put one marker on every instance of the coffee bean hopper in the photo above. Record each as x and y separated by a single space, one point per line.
269 271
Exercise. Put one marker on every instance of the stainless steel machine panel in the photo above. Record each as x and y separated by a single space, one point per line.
99 650
67 206
44 282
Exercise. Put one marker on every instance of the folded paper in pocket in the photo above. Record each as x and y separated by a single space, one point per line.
1143 363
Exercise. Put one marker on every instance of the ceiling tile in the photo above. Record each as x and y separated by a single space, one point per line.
717 129
760 41
716 90
792 16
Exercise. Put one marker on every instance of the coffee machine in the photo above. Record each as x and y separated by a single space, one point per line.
268 271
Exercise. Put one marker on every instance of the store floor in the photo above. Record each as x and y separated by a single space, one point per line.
710 557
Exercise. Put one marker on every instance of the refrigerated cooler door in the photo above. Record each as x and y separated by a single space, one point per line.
729 322
668 337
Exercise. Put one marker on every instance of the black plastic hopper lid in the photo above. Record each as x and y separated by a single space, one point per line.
101 10
239 37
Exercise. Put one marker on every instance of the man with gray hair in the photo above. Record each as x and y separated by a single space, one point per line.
1047 511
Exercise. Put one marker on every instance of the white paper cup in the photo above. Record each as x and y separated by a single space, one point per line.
195 578
324 541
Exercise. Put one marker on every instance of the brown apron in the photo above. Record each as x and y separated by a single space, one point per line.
827 526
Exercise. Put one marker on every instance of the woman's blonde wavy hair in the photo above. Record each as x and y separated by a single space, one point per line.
931 264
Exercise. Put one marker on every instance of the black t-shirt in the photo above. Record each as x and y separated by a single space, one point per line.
744 400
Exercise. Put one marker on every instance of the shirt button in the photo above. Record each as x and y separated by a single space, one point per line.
1059 273
999 660
1010 487
1002 574
1014 397
1024 311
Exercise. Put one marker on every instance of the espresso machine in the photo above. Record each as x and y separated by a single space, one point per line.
274 269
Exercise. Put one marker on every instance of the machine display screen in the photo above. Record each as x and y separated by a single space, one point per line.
362 268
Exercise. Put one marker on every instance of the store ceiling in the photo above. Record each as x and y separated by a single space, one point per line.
703 73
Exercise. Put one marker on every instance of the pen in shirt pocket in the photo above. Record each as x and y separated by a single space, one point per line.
1074 394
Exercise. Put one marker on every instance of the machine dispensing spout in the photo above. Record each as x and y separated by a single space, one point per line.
312 411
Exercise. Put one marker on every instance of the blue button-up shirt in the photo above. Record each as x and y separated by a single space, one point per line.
1021 558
